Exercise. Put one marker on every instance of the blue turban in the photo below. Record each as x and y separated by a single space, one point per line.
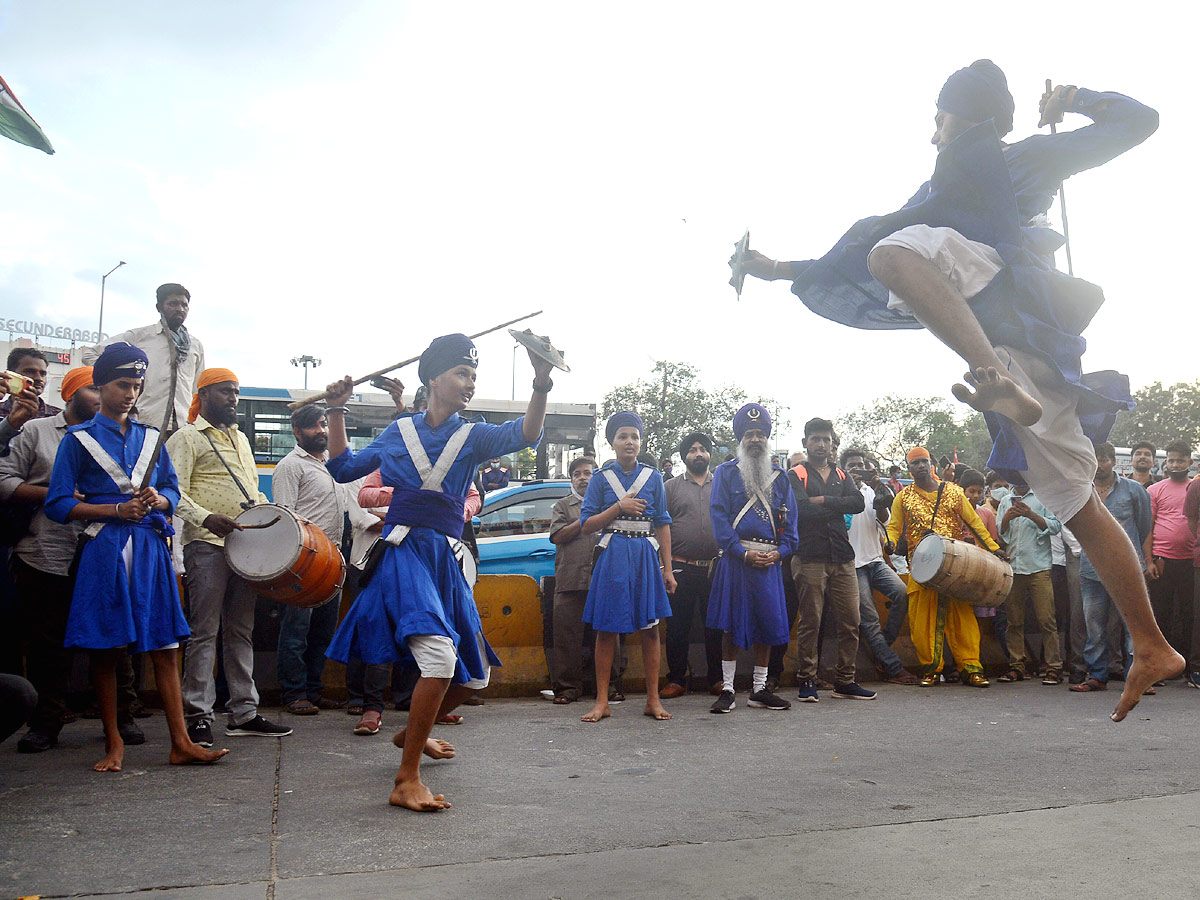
752 415
444 353
626 419
978 93
120 360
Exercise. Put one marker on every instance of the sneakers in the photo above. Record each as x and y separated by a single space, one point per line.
130 732
724 703
35 741
808 692
853 691
200 733
764 699
256 727
1192 679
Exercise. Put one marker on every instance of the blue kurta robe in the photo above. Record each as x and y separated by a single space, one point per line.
626 592
989 192
747 602
418 587
110 608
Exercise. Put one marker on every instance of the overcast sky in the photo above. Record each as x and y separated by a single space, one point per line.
350 179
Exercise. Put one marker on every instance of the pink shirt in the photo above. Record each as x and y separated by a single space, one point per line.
1172 539
373 495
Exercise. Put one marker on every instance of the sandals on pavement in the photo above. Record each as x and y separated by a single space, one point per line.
1092 684
450 719
1012 675
301 708
1052 677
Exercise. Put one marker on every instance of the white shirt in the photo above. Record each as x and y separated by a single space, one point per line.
1058 554
159 347
864 533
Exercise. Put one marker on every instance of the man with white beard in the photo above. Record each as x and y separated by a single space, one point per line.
754 522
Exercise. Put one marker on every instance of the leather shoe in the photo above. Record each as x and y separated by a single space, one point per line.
929 680
671 691
36 742
130 733
974 679
715 689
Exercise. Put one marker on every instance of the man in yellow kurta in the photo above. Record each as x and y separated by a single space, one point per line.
934 620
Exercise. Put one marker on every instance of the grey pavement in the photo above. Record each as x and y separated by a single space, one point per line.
1011 792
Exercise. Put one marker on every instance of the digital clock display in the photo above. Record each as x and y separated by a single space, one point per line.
63 357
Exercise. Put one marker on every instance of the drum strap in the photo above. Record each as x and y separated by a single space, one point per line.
936 506
125 483
249 500
758 498
432 476
619 489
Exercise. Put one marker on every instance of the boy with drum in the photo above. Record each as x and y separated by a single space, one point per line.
934 620
125 592
416 608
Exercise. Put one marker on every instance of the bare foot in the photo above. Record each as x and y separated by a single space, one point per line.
997 392
114 755
194 755
434 748
654 709
1147 668
597 712
414 795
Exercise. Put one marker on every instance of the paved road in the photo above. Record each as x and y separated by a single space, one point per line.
1013 792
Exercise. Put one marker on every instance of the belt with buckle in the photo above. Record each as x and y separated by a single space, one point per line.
631 526
760 545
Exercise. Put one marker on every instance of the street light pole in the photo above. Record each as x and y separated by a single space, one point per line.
305 361
100 327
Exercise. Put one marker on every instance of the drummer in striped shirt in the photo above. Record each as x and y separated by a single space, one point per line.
933 620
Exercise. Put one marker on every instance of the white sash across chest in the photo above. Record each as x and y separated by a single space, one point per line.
432 475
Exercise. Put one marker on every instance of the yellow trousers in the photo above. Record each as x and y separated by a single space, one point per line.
937 621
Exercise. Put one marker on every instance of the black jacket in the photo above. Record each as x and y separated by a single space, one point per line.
823 535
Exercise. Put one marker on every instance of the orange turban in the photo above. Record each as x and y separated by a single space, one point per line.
207 377
75 379
918 453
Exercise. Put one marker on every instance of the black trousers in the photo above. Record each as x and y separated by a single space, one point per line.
45 603
1172 601
689 601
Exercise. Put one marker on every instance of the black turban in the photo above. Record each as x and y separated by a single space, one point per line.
444 353
978 93
686 444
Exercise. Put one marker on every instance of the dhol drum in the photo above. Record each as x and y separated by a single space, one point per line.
961 571
285 557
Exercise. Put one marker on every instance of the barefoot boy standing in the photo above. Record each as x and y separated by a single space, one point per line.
125 590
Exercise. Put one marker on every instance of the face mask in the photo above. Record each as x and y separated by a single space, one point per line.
998 494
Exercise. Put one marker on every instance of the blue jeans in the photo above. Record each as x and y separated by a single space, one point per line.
876 576
1100 615
304 636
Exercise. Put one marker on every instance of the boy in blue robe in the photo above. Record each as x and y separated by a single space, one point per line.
754 522
970 258
125 589
417 609
632 575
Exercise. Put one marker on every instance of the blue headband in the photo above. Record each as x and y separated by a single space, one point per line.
752 415
978 93
120 360
626 419
444 353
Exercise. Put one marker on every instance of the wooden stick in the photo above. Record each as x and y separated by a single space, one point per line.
296 404
1062 203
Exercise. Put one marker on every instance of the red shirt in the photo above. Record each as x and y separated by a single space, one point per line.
1191 508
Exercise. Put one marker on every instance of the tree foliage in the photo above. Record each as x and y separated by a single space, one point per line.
1162 414
673 402
891 426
